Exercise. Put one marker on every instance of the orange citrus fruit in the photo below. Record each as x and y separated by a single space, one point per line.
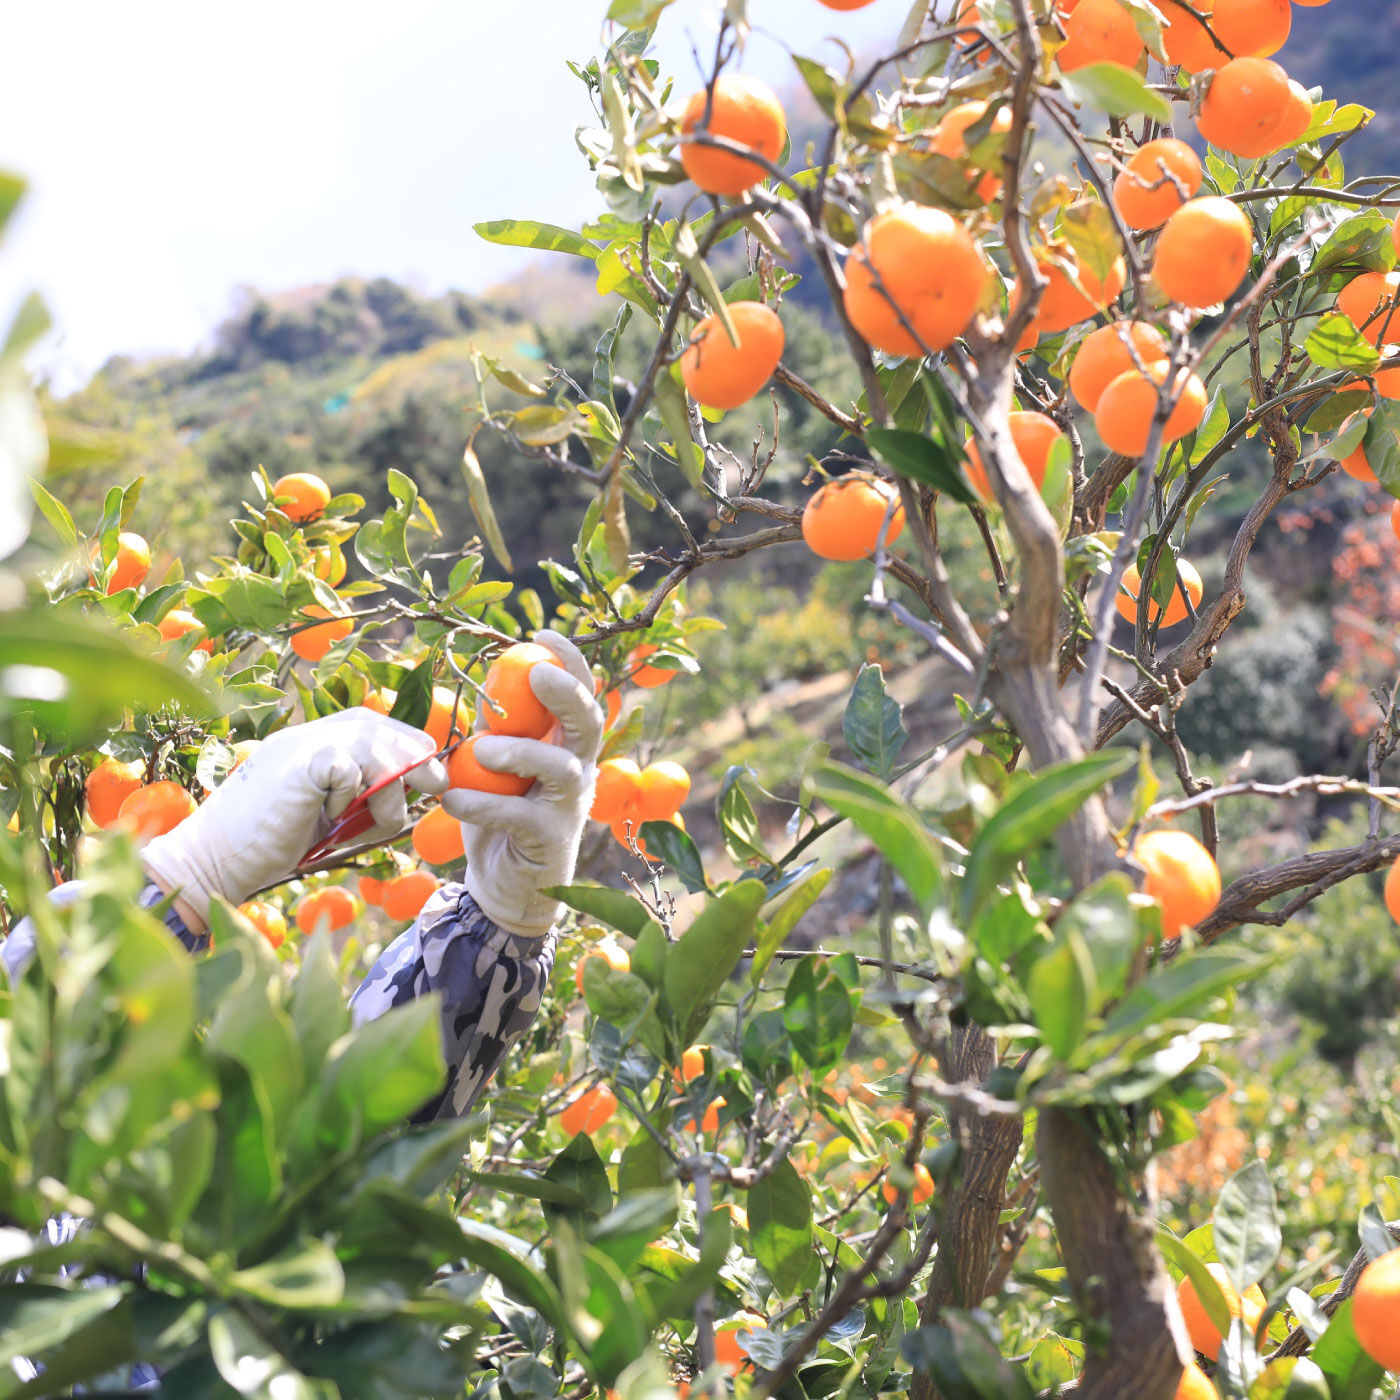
1185 40
465 770
692 1065
589 1111
332 907
154 809
312 643
1103 355
1176 612
1195 1385
438 726
1375 1310
1149 189
648 677
1128 406
300 495
1395 520
1356 463
720 374
727 1351
371 890
611 953
178 622
437 837
1099 31
1252 27
381 702
329 564
516 709
923 262
949 138
108 786
1184 878
745 111
267 919
616 790
1203 252
404 895
1371 302
130 564
709 1120
662 787
1247 100
842 520
1297 117
1064 304
1034 434
922 1191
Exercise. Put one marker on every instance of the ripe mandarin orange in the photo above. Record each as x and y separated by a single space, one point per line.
949 138
1149 189
846 4
842 520
1356 463
709 1120
437 837
616 790
108 786
1203 252
727 1350
1099 31
329 564
1375 1310
1395 520
1127 407
267 919
1297 117
1175 612
923 262
381 701
644 675
404 895
922 1190
1183 877
611 953
1252 27
130 564
1371 302
1034 434
662 787
332 907
371 889
1392 891
692 1065
744 110
1185 40
1248 98
1195 1385
465 770
1064 304
154 809
312 643
300 495
969 15
438 726
1104 355
178 622
589 1112
516 709
720 374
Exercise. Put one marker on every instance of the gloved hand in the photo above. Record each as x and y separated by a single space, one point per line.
284 797
517 845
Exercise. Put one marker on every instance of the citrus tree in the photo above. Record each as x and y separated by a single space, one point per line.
1069 328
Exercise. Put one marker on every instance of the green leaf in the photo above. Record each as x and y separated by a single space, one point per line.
615 908
526 233
11 192
780 1226
666 841
1291 1378
705 956
529 1188
894 826
479 498
1335 343
1032 816
921 458
36 1316
1116 90
675 417
581 1169
1247 1233
1183 986
738 823
639 1218
1362 242
1061 995
1383 445
1103 918
817 1013
1351 1374
873 723
306 1276
772 936
252 1365
1194 1267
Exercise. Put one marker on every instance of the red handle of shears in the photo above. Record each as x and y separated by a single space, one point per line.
357 819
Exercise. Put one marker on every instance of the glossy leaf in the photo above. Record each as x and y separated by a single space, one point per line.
780 1225
702 960
1247 1233
873 723
921 458
817 1013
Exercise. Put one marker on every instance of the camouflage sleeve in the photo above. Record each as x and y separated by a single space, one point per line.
491 983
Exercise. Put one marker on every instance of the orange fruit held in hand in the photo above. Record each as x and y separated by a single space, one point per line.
589 1111
154 809
306 495
662 787
130 564
108 786
516 709
1247 100
1185 40
628 833
842 520
1203 252
922 1191
1252 27
720 374
1375 1310
1187 578
267 919
1195 1385
846 4
1064 304
1104 355
616 790
1156 181
727 1350
611 953
949 138
923 262
1127 408
178 622
371 890
1034 434
437 837
1099 31
438 726
312 643
744 110
648 677
332 907
465 770
1371 302
1183 877
404 895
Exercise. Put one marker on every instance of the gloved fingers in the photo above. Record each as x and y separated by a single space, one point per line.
391 745
568 653
337 774
571 701
559 773
389 808
527 821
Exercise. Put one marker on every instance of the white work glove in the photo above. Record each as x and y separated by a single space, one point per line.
517 846
284 797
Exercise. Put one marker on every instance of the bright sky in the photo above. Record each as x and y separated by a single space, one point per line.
176 151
